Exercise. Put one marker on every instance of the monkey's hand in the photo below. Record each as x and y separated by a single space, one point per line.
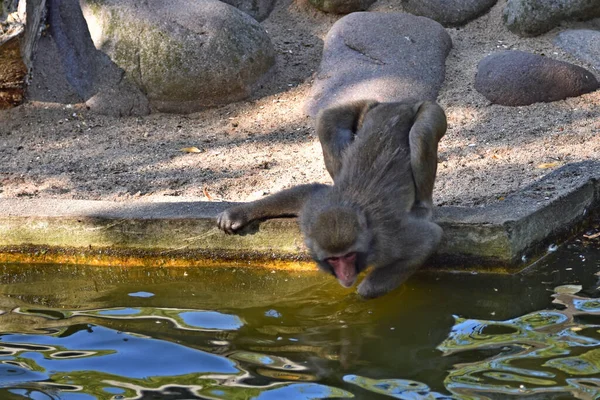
232 219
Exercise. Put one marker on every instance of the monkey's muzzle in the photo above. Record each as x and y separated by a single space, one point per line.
344 268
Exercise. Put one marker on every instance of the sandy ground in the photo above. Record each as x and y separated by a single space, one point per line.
260 146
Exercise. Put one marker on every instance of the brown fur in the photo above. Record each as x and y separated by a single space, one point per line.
383 160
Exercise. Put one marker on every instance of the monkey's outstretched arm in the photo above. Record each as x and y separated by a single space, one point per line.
336 128
287 203
429 127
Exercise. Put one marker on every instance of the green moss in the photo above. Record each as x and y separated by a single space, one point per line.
95 7
317 3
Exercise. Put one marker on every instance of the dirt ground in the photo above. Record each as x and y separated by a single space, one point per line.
256 147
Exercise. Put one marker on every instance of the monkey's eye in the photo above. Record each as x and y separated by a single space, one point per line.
346 258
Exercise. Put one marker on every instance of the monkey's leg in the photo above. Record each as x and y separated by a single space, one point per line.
429 127
418 242
336 128
286 203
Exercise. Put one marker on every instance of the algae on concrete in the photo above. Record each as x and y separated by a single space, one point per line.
506 235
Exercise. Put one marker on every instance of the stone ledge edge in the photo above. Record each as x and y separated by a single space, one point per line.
505 236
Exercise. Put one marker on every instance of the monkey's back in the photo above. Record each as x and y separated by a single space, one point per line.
376 171
376 175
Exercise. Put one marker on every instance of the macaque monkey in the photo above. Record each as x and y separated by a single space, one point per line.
378 212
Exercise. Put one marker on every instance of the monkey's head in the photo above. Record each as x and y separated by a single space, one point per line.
339 239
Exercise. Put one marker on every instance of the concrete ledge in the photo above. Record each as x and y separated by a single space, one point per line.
514 232
505 235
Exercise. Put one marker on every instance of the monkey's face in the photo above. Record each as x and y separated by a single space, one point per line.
345 261
345 267
339 240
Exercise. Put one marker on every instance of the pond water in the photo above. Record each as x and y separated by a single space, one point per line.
77 332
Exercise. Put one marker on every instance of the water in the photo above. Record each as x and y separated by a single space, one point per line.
76 332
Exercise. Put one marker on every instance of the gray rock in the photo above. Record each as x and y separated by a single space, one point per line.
257 9
119 100
67 68
342 6
380 56
449 12
516 78
582 43
534 17
184 54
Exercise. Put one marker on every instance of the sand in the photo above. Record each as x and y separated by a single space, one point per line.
255 147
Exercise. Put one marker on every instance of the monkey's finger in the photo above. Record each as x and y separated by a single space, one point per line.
236 225
222 223
227 228
231 227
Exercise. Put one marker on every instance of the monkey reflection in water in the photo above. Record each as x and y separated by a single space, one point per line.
378 212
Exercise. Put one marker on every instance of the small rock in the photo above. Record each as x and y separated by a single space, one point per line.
449 12
380 56
534 17
342 6
582 43
124 99
516 78
257 9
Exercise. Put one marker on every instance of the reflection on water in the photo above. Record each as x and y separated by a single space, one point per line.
396 388
96 360
545 352
75 332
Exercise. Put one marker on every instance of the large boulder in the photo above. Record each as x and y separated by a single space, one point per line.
582 43
534 17
380 56
67 68
184 54
449 12
516 78
342 6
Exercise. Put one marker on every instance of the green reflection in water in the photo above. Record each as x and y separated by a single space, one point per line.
396 388
547 352
586 364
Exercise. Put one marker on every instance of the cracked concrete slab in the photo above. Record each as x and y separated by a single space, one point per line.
506 235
